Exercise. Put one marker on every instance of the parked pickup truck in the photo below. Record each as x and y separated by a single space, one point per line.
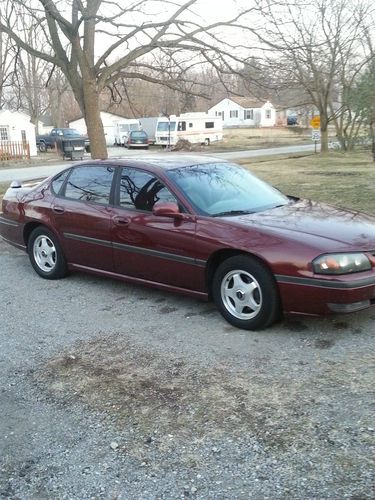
56 135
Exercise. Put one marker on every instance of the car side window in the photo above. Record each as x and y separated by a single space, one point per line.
59 180
89 183
141 190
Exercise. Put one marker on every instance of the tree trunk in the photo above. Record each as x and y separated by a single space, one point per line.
372 132
323 133
95 130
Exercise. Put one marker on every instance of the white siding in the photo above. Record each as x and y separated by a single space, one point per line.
235 115
109 123
17 122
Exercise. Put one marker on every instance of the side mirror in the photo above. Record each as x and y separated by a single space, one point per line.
167 209
16 184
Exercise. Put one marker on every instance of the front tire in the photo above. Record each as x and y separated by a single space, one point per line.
46 255
245 292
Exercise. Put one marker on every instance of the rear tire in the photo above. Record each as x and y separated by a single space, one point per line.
46 255
245 292
42 147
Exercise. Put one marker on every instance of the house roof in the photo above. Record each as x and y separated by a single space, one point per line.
7 112
107 112
47 120
247 102
244 102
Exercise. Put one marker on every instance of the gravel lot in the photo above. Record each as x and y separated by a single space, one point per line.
111 391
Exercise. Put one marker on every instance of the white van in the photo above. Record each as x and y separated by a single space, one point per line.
122 129
197 128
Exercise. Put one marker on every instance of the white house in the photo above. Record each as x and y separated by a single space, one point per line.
109 123
16 127
244 112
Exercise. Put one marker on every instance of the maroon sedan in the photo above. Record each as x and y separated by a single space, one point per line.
198 226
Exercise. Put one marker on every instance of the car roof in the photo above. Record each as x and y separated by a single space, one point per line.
164 161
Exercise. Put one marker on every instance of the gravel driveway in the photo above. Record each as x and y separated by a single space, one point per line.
112 391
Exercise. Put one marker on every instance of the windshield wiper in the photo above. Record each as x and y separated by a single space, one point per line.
233 212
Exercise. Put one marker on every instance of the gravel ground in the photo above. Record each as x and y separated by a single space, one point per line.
111 391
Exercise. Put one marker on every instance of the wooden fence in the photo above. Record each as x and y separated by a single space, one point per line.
12 150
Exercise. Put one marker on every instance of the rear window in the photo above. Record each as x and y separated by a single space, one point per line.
139 134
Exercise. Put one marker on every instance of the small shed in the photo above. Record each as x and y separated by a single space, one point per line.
109 123
244 112
16 130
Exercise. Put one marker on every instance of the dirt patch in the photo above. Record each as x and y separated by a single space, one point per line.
324 343
163 396
185 145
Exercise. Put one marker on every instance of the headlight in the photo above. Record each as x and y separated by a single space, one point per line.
341 263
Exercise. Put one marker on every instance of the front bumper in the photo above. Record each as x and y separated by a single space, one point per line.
317 296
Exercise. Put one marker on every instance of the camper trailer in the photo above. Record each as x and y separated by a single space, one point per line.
122 129
149 125
197 128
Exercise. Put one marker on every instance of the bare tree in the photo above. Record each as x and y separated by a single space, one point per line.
316 46
126 32
362 103
30 79
8 54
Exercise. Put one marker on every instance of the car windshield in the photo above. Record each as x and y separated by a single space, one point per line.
224 189
138 134
163 126
71 131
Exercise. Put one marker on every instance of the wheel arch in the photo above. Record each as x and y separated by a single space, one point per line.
29 228
221 255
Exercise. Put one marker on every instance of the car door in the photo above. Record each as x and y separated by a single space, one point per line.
82 216
148 247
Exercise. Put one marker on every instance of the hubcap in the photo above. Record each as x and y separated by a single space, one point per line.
44 253
241 294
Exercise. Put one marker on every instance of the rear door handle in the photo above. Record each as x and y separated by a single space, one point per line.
121 221
58 210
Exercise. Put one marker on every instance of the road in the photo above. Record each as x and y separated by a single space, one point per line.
29 173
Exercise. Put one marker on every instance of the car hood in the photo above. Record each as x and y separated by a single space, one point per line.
352 229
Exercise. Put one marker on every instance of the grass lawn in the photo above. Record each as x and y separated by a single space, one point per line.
3 187
346 180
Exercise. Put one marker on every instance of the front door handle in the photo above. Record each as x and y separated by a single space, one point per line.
121 221
58 210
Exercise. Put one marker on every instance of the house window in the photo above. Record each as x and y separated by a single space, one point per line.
268 114
233 113
4 133
209 125
248 114
23 136
218 113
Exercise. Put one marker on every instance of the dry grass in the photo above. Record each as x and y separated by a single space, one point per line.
346 180
3 187
255 138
